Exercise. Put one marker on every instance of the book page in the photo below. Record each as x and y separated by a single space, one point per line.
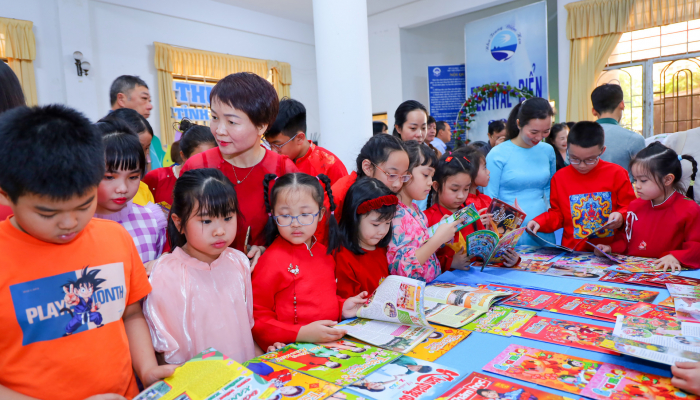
481 244
397 299
508 241
468 215
674 334
452 316
656 352
462 296
387 335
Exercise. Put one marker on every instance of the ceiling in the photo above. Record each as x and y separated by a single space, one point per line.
302 10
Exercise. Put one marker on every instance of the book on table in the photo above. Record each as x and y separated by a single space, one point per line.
455 305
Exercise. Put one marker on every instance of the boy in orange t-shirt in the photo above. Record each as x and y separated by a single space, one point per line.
70 284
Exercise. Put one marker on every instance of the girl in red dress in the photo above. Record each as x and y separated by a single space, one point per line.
361 263
481 179
294 289
662 223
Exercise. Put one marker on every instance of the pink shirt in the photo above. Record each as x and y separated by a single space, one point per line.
194 306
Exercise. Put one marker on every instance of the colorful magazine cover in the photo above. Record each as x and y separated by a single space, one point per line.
614 292
341 362
478 386
505 218
615 277
584 259
535 266
647 351
406 378
648 310
566 333
608 308
287 384
576 272
499 320
620 383
476 298
536 253
686 300
488 247
668 302
468 215
528 298
438 343
558 371
575 305
676 334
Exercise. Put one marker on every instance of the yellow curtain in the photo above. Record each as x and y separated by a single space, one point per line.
17 45
281 77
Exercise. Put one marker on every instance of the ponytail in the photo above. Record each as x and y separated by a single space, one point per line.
521 114
660 161
271 231
334 237
690 191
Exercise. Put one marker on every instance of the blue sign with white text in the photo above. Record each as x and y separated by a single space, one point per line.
447 92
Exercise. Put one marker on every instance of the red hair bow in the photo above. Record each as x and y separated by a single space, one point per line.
369 205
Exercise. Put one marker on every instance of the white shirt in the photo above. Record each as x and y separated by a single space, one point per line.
439 145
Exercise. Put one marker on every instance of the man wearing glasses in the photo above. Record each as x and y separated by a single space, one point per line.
589 197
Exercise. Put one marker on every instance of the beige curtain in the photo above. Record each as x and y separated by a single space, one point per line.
594 28
17 45
281 77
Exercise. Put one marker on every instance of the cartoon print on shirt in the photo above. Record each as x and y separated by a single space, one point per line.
589 212
79 302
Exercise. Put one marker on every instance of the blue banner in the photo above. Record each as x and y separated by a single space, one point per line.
510 48
447 92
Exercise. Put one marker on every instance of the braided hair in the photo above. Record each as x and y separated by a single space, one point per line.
451 164
660 161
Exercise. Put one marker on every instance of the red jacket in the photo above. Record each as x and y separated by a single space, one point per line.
318 160
479 200
446 254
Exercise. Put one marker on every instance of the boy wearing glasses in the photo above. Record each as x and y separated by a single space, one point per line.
288 136
588 193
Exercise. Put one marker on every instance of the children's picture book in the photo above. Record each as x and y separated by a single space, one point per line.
537 267
648 310
478 386
615 277
686 300
505 218
448 315
406 378
647 351
608 308
677 334
575 305
455 305
668 302
286 383
468 215
665 277
614 292
393 316
566 333
439 342
576 272
500 320
341 362
620 383
489 247
558 371
536 253
584 259
528 298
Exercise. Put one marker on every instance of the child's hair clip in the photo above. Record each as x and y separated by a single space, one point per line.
448 159
680 157
379 202
467 160
269 214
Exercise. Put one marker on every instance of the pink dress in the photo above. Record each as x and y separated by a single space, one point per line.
410 227
194 306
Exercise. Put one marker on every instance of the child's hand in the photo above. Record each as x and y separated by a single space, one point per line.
533 226
149 267
253 254
460 260
668 261
446 232
601 248
615 220
275 347
107 396
485 217
155 374
686 376
511 257
352 304
320 332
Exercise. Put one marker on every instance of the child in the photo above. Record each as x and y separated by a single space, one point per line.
125 165
202 295
480 200
161 181
360 264
288 136
411 252
586 194
383 157
662 223
54 252
294 289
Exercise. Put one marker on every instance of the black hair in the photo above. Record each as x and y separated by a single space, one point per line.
175 152
362 190
200 191
532 108
431 120
402 113
294 181
586 134
476 155
556 128
378 127
660 161
607 97
193 135
424 369
250 93
451 164
124 84
440 125
570 124
377 150
136 121
49 151
291 118
122 148
363 385
481 392
481 146
419 154
496 126
87 278
11 94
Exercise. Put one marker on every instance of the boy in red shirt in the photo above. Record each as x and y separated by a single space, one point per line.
288 136
70 284
588 193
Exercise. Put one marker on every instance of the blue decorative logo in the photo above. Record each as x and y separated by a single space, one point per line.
503 45
436 71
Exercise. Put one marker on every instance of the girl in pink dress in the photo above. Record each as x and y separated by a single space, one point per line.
202 295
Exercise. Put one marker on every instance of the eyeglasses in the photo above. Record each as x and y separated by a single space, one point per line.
302 219
588 161
393 177
278 147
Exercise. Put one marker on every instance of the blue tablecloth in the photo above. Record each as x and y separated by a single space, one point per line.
478 349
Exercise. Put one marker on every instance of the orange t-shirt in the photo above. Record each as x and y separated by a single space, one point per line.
59 346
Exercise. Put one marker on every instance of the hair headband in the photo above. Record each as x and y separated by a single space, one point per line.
379 202
680 157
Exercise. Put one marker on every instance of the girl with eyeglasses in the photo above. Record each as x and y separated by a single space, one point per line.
294 287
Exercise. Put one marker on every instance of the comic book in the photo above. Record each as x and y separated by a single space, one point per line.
449 315
468 215
439 342
676 334
615 277
393 317
558 371
341 362
478 386
527 298
665 277
647 351
489 247
614 292
630 264
406 378
620 383
608 308
575 272
286 383
575 305
584 259
479 299
534 266
500 320
536 253
686 300
648 310
505 218
566 333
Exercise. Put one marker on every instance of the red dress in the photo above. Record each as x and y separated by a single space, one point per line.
161 181
580 201
479 199
340 189
274 288
357 273
318 160
446 254
249 192
672 227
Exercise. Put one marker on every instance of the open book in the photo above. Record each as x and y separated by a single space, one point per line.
489 247
456 306
468 215
506 218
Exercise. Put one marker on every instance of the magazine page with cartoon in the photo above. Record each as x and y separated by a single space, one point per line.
686 300
468 215
284 383
478 386
566 333
448 315
527 298
620 383
407 378
489 247
646 351
341 362
499 320
669 333
505 218
615 292
463 296
574 272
